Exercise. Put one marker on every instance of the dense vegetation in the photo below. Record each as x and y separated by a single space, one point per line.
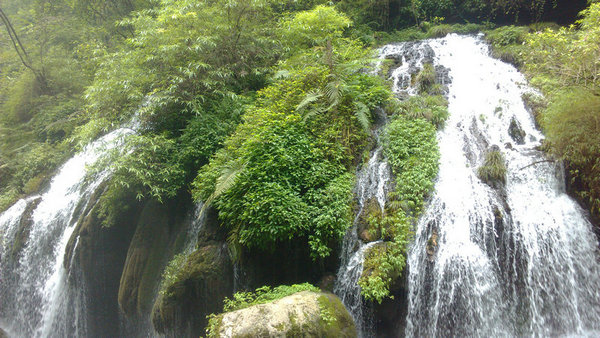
263 108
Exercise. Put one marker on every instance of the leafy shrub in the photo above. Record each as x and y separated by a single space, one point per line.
433 108
287 172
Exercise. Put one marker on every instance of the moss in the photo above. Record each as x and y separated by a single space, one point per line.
334 321
197 289
368 221
493 170
144 260
425 79
535 104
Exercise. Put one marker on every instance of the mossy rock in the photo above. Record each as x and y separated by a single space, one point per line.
97 253
3 334
145 258
368 229
493 170
432 245
303 314
195 291
24 228
516 132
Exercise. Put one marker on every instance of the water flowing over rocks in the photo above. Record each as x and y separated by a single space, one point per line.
510 261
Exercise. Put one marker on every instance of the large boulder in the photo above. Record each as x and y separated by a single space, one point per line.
197 289
303 314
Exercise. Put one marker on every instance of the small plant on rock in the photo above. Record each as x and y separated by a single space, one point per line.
493 170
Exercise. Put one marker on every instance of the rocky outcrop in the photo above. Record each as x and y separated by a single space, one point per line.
24 227
152 244
198 287
95 256
303 314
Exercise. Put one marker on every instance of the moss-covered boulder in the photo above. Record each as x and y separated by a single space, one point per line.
303 314
493 170
194 291
3 334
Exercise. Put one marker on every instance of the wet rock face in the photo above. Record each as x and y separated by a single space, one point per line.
23 231
198 290
516 132
96 254
303 314
198 287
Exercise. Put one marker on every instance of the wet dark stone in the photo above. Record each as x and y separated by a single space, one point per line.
516 132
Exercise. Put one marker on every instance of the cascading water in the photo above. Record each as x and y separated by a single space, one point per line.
35 297
374 182
518 258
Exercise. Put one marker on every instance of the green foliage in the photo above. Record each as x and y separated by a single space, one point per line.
410 145
169 275
507 35
433 108
568 54
493 169
285 174
412 152
315 27
426 78
264 294
507 43
572 126
564 64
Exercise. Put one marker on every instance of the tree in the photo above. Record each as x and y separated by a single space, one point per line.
22 52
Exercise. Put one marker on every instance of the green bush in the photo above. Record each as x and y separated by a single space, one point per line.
425 79
433 108
493 169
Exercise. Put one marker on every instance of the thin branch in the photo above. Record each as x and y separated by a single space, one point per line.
537 162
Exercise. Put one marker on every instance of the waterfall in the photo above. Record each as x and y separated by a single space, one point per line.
373 182
505 260
34 294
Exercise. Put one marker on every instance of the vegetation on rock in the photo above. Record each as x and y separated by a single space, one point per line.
289 311
493 170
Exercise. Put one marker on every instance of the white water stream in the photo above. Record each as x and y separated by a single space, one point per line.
515 260
34 297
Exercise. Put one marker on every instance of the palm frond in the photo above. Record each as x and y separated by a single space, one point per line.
309 99
228 176
362 114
